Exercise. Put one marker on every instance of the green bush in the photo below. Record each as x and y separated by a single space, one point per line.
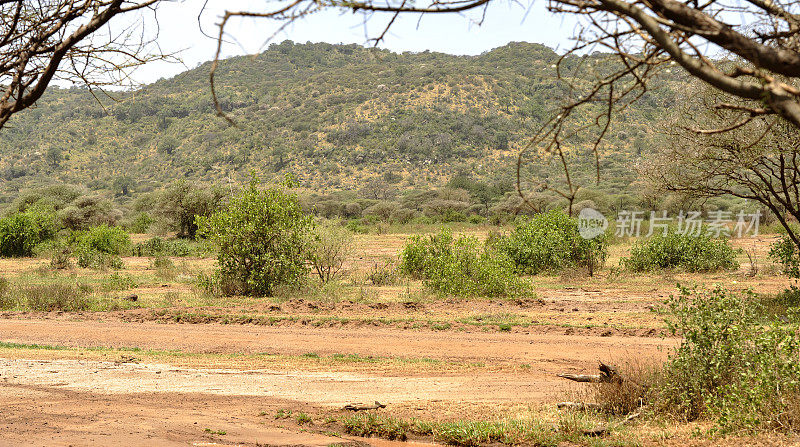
785 252
263 238
101 247
172 247
700 253
460 267
733 365
105 239
21 232
551 242
141 223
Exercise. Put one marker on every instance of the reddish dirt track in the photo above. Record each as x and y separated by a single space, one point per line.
92 403
543 351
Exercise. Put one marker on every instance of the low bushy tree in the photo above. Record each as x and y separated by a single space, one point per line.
21 232
263 238
732 365
101 247
692 253
182 202
785 251
550 242
460 266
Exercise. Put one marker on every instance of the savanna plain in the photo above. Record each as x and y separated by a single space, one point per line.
151 357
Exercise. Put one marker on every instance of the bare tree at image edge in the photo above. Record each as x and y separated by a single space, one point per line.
69 40
757 160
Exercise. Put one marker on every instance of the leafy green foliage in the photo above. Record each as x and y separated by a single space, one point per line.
21 232
263 238
100 247
303 104
140 223
550 242
460 266
732 365
157 246
785 251
692 253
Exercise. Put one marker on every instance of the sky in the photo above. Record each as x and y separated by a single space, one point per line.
181 32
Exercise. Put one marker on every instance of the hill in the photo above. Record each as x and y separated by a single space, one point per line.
334 115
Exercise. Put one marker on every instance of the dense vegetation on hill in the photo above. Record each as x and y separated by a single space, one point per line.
337 116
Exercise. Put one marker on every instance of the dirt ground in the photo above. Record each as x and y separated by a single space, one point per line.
183 370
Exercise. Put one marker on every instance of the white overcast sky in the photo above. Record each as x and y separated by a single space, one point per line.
454 34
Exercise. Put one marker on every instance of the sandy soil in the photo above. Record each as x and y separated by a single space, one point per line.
472 369
132 403
52 416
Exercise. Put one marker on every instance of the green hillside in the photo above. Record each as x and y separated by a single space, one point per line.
336 116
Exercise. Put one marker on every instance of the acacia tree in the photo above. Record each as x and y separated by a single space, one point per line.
746 49
758 160
43 41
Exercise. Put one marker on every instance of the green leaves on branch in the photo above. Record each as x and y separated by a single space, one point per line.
692 253
733 365
785 251
263 238
21 232
460 266
550 242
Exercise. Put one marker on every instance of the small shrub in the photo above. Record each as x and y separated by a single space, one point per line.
101 247
476 219
164 267
356 226
732 365
97 260
209 284
700 253
21 232
105 239
329 249
61 257
152 247
460 267
786 253
551 242
141 223
302 419
383 274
